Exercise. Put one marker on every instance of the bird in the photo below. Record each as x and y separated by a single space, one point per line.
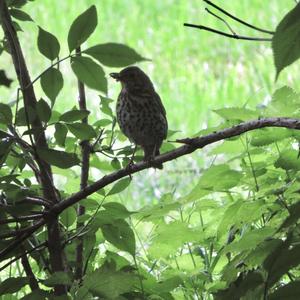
140 112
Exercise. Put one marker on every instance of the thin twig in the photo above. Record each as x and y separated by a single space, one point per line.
221 19
232 36
237 19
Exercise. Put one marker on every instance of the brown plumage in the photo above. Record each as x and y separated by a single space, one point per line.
140 112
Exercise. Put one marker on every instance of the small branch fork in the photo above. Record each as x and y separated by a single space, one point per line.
190 145
233 35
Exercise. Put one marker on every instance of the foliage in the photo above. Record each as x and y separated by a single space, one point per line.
235 235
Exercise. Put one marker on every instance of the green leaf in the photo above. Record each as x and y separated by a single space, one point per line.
4 80
114 55
59 159
5 114
68 217
58 278
73 115
60 134
117 210
82 131
108 284
82 27
236 113
52 82
219 178
104 106
266 136
120 186
43 110
12 285
169 237
89 73
48 44
278 106
22 118
20 15
286 40
288 160
250 239
120 235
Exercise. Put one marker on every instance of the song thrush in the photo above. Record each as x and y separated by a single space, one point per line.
140 112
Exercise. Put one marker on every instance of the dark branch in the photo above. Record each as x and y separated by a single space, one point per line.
33 283
237 19
20 219
232 36
85 165
191 145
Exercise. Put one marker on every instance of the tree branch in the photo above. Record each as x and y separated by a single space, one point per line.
28 271
237 19
232 36
20 219
191 145
85 165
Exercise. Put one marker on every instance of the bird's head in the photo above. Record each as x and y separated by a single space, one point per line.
133 78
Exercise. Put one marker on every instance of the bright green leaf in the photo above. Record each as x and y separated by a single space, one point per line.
288 160
48 44
104 105
114 55
89 73
82 27
52 82
108 283
250 239
266 136
236 113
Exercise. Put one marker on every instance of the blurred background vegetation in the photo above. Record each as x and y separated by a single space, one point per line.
194 71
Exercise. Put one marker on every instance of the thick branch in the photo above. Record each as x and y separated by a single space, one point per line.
85 164
191 145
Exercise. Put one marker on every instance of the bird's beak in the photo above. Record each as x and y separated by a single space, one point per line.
115 76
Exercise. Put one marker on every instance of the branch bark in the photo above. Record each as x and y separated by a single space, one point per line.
85 165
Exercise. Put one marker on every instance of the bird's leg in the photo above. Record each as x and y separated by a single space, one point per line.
132 156
128 167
